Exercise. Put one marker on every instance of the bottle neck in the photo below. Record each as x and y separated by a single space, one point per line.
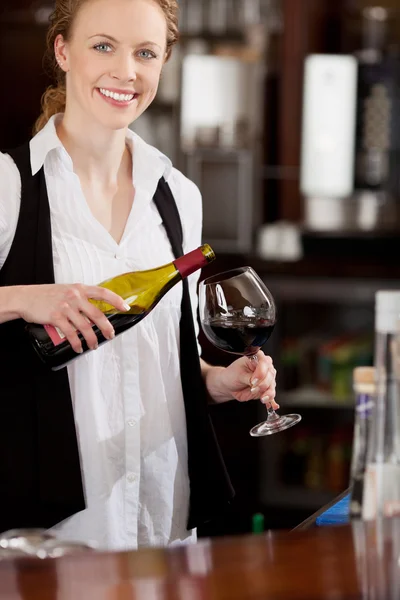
191 262
364 404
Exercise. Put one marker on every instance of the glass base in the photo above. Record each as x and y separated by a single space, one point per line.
275 425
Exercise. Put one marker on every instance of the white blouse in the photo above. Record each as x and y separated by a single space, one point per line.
127 395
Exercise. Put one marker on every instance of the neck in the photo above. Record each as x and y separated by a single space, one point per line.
97 153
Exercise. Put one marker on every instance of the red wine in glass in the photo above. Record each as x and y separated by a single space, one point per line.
238 315
238 336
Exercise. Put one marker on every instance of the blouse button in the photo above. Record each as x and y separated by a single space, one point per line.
118 257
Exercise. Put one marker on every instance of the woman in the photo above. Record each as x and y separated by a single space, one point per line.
99 451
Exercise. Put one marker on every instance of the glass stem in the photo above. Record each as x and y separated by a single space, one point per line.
272 416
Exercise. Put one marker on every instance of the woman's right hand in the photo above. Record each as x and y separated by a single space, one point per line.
68 308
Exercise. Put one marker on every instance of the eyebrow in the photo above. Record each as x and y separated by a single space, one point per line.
110 37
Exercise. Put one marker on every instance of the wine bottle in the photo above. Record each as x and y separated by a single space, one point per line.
142 290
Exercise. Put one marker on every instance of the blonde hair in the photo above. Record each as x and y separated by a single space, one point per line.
61 23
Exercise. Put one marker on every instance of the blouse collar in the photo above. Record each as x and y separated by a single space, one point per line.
145 157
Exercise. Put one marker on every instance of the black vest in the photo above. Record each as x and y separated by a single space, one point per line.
40 475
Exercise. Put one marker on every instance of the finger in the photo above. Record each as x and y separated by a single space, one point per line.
70 333
99 293
264 390
267 360
265 385
264 364
249 364
268 389
264 357
80 322
98 318
269 394
270 402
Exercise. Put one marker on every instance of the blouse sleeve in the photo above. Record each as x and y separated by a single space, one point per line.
188 200
10 201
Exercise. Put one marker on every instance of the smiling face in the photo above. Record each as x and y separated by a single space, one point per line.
113 60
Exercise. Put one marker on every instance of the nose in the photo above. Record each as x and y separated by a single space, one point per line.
124 68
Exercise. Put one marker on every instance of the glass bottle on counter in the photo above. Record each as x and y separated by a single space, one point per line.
364 391
382 477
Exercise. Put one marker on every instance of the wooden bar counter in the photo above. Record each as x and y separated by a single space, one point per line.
332 563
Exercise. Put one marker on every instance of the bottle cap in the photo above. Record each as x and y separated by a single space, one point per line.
387 311
192 261
208 252
364 375
364 381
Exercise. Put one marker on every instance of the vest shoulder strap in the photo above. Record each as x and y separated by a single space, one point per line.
166 205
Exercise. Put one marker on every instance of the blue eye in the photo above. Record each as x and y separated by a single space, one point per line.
103 48
147 54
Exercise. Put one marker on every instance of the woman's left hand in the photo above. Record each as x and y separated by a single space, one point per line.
245 380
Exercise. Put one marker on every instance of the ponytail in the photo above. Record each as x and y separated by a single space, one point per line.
53 102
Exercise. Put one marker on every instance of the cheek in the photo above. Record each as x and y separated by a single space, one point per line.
153 79
85 69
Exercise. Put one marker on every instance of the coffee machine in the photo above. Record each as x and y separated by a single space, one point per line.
351 134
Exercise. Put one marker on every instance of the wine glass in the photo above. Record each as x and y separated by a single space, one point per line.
238 315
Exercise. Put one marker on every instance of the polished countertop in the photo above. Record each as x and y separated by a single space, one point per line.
332 563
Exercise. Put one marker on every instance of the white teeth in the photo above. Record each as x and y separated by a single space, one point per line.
118 97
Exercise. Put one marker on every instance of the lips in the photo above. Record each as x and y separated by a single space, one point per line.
117 98
118 95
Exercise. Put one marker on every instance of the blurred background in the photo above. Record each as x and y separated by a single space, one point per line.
286 114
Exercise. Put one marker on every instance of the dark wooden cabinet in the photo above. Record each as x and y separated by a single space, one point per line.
309 26
22 45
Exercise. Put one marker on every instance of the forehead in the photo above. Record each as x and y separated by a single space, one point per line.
126 20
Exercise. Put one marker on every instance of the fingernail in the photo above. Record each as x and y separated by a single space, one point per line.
254 382
95 347
79 351
111 335
265 400
255 390
126 306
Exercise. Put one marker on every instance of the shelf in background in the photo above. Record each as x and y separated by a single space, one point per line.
313 398
373 272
